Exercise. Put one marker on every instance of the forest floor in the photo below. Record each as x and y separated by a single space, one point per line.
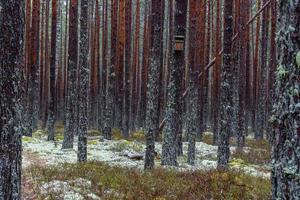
115 171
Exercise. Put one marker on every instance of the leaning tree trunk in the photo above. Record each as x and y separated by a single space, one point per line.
72 68
11 66
174 104
226 100
152 111
286 116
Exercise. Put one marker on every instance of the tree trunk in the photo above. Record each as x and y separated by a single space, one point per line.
193 96
109 99
71 79
262 76
227 76
286 122
152 114
173 127
11 66
83 83
216 84
51 113
126 104
33 72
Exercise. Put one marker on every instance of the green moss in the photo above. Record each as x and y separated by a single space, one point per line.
127 145
138 135
93 133
92 142
27 139
298 59
237 162
253 157
281 72
59 137
39 133
116 134
159 183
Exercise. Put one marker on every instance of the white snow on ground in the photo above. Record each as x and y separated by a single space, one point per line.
114 153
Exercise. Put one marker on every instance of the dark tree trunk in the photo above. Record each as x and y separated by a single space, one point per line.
33 71
51 112
152 114
145 68
104 63
126 104
216 77
173 127
262 76
11 66
83 83
286 118
227 76
135 71
109 99
71 79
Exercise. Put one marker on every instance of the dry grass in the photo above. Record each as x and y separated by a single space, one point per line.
158 184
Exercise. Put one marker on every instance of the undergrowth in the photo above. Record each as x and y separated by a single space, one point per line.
157 184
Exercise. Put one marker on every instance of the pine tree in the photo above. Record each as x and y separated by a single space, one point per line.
174 104
152 115
72 69
262 76
286 118
11 66
126 102
227 76
193 97
51 113
109 98
84 82
33 68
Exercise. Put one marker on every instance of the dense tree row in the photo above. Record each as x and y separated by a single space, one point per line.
174 69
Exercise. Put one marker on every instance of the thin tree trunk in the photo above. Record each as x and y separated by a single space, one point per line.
72 68
126 104
83 83
51 113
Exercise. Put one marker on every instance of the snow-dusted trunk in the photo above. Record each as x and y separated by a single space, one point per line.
51 112
71 81
152 111
193 96
11 66
286 115
226 98
174 105
83 83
